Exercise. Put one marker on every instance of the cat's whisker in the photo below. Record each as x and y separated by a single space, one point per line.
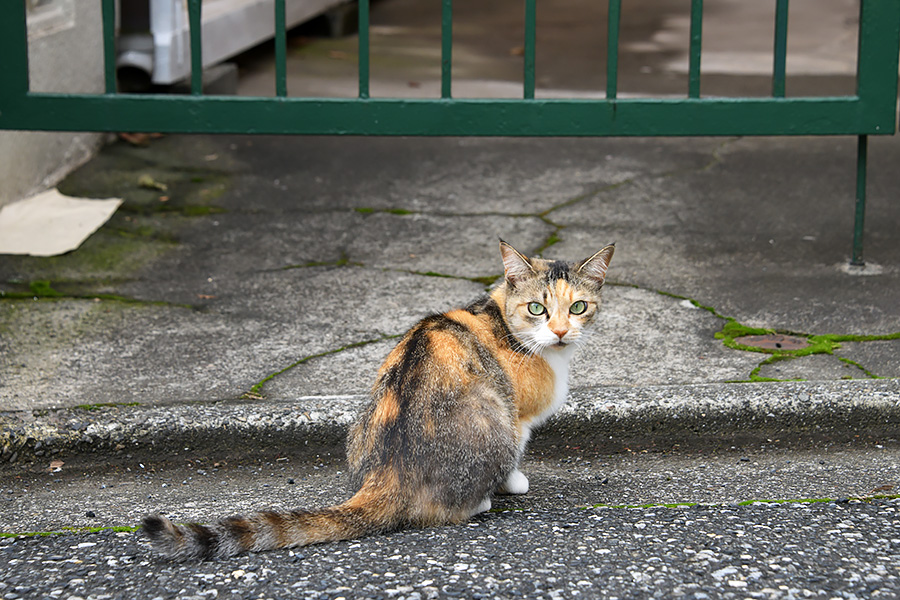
528 347
532 347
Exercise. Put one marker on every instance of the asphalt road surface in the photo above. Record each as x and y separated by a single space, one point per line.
793 550
592 526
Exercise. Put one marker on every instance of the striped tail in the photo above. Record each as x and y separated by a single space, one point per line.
269 530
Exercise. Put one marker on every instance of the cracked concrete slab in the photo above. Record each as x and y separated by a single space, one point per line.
671 339
646 338
269 250
350 373
453 175
880 358
78 352
75 352
684 215
458 246
762 235
821 367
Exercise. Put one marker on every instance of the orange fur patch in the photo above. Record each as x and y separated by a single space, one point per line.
476 324
387 409
379 495
278 524
564 292
447 351
532 381
531 376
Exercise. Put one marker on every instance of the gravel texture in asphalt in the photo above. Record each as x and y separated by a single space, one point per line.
847 549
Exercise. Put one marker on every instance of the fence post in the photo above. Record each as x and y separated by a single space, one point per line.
862 152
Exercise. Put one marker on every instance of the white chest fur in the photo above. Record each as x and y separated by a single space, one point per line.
559 362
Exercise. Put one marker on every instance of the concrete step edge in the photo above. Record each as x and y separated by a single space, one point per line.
605 418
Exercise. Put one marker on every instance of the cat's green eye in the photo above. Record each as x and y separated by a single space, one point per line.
536 308
578 307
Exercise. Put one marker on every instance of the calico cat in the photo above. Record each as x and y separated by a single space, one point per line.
450 414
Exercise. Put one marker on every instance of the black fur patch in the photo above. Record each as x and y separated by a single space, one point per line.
415 350
488 306
558 270
238 525
153 526
206 539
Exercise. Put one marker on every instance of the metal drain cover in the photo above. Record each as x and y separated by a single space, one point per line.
773 341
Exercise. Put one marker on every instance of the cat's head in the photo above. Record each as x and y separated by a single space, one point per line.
548 303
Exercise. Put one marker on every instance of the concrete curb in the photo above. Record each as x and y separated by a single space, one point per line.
713 415
609 419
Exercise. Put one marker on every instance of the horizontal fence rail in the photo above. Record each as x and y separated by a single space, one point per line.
871 110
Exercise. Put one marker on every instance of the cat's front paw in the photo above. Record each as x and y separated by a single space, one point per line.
516 483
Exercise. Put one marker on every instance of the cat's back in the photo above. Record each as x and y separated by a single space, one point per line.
441 397
448 351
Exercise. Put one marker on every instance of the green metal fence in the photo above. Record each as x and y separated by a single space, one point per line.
870 111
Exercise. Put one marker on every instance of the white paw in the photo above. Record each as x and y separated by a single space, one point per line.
516 483
483 507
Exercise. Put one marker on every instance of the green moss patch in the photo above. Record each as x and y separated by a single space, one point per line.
486 281
45 290
42 289
818 344
552 240
732 330
70 530
255 392
366 210
164 187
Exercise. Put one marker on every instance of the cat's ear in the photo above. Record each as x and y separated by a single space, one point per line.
596 266
517 267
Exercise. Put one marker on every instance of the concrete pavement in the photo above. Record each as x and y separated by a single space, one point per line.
279 271
254 298
204 351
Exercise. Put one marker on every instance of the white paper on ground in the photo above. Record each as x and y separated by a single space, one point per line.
49 223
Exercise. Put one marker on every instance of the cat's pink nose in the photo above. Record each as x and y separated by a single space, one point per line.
560 333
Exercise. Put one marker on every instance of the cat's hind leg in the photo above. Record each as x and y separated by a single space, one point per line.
483 507
516 483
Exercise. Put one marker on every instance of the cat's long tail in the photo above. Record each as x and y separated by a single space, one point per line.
365 513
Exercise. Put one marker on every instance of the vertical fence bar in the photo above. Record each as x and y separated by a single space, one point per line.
781 27
14 50
862 151
195 20
280 49
363 51
612 48
876 63
530 37
696 44
446 48
109 45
